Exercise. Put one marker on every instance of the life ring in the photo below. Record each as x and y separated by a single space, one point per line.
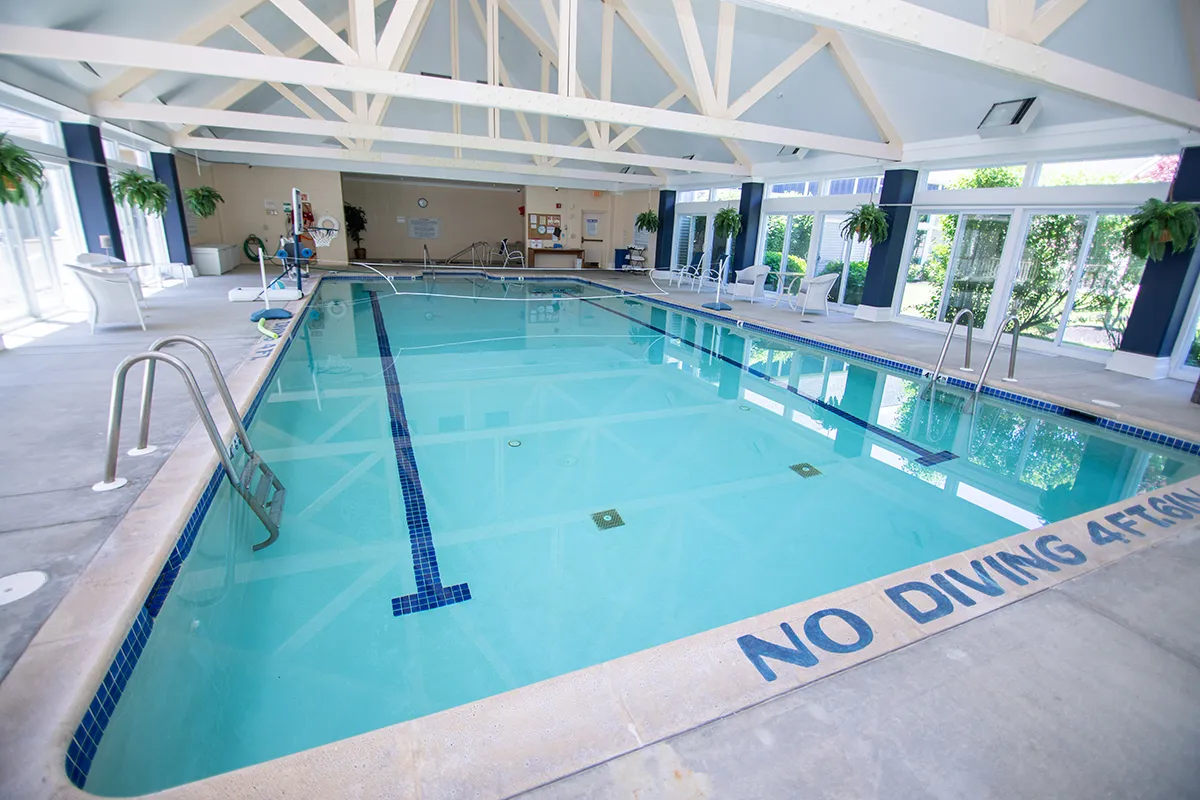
328 221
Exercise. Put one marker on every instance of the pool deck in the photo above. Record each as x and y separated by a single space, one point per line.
1086 689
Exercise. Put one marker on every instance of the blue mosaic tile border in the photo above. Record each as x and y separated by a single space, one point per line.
1145 434
430 591
82 748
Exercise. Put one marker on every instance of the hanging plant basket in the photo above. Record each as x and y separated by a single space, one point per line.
727 224
867 222
647 221
20 173
202 201
1158 224
138 190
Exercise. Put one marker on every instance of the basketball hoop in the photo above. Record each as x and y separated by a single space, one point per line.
322 237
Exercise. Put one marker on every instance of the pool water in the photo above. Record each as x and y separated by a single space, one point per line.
439 545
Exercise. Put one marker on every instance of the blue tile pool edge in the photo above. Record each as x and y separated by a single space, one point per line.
81 750
1080 415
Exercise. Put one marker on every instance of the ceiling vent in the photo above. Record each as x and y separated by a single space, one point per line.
1010 118
793 152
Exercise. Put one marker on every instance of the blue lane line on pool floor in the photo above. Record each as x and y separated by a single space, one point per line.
430 592
925 456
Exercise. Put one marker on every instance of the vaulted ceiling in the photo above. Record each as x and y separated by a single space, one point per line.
867 82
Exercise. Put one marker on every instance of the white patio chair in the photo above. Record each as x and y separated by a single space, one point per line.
814 291
681 271
750 283
112 296
112 265
711 274
509 252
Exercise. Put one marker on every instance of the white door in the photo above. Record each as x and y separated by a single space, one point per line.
595 238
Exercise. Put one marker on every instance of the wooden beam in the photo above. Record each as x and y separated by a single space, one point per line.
778 75
272 123
412 32
362 30
849 66
321 33
627 134
1050 18
568 27
1189 15
692 45
606 62
726 17
404 15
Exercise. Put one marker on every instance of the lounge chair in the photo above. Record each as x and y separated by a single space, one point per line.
110 264
506 253
814 291
112 296
690 271
750 283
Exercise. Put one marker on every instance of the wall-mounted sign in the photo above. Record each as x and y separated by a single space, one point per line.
424 228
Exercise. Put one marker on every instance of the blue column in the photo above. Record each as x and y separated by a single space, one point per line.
93 191
746 242
179 247
1160 310
666 229
883 270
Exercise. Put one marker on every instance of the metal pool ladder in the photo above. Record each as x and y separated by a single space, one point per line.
966 367
987 364
265 497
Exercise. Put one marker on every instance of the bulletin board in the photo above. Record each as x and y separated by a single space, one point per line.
545 231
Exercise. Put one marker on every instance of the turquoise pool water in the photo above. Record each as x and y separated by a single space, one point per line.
529 408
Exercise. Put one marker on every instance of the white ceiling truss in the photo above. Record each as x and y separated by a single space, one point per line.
370 58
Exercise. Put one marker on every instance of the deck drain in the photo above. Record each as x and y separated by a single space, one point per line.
22 584
805 470
1106 403
607 519
514 443
744 408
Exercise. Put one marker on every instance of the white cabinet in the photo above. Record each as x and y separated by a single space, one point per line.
215 259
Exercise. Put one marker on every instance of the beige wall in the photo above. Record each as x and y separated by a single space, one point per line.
208 231
622 210
246 190
467 214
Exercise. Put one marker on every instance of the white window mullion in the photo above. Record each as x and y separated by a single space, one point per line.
1080 265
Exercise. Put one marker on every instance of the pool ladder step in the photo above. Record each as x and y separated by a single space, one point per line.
256 483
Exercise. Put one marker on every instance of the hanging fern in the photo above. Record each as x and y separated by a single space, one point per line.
19 173
138 190
647 221
1157 224
866 222
202 201
727 224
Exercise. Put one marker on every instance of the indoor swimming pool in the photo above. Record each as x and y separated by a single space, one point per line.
494 483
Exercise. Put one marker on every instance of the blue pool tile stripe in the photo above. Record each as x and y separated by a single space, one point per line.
430 591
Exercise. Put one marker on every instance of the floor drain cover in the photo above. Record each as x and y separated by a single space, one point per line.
805 470
22 584
607 519
513 443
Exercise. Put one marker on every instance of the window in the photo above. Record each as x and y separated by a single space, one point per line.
846 257
34 241
27 126
855 185
141 234
690 238
954 264
801 189
1066 296
728 193
787 236
693 196
125 155
1144 169
979 178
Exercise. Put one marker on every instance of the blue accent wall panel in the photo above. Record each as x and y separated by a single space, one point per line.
666 229
1160 310
883 270
179 246
93 191
745 243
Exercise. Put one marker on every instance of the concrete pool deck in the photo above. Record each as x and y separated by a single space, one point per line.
1155 602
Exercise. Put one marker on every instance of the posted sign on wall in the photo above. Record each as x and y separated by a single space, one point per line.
424 228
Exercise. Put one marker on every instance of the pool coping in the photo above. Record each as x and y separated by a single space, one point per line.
507 743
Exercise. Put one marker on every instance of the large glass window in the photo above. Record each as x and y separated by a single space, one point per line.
800 189
1107 287
143 237
728 193
693 196
866 185
27 126
690 239
1046 273
1143 169
1192 359
978 178
785 250
954 265
846 257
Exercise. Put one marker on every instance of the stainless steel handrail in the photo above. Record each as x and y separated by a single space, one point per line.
114 417
937 371
218 379
987 364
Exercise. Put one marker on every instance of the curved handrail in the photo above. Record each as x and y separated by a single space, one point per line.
1012 357
937 371
218 379
117 402
377 272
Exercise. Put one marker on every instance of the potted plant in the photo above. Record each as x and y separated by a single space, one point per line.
202 201
647 221
1157 224
727 224
356 223
19 173
866 222
139 190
